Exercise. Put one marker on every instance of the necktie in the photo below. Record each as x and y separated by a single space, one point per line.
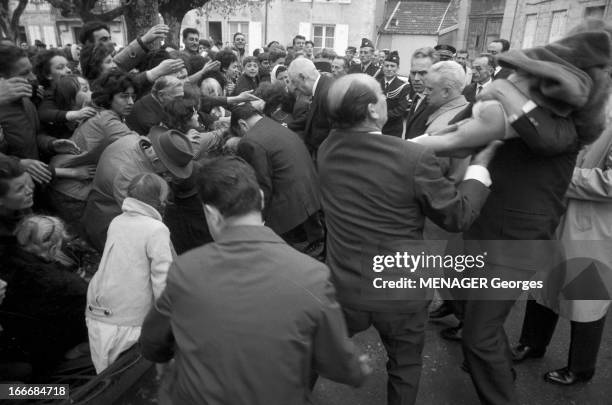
479 89
417 101
386 87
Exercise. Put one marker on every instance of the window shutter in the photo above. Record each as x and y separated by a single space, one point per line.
341 38
255 37
304 29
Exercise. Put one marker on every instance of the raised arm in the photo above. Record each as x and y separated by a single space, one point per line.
459 140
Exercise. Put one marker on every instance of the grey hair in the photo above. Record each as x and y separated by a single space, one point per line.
163 82
451 74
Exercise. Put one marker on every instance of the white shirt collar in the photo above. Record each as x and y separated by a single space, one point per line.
314 87
497 69
485 84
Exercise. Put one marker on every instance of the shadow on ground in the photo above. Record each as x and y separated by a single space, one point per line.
443 382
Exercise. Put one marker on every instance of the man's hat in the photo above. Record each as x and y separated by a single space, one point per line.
446 51
366 43
174 150
393 57
351 48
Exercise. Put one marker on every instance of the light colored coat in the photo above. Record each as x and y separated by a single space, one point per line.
588 218
453 168
133 269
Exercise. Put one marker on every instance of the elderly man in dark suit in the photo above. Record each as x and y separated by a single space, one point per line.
306 78
382 208
247 317
286 175
397 92
482 75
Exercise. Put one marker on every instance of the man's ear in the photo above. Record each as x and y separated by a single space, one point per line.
243 126
213 216
263 201
372 114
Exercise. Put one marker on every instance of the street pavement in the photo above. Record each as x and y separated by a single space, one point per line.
444 383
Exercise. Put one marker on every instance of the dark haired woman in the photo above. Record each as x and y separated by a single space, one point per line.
65 106
96 60
49 66
229 68
114 98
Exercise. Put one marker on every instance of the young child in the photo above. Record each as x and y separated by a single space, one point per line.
249 79
563 84
132 272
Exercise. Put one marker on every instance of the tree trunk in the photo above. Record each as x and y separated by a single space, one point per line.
9 22
174 35
140 16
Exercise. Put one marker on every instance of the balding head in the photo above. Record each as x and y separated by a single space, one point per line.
303 74
444 82
167 88
355 100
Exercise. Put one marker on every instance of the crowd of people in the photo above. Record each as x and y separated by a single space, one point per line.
221 209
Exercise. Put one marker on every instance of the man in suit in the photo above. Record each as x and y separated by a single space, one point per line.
286 175
149 110
266 313
397 93
306 78
443 85
370 211
526 212
366 56
482 68
416 123
495 48
350 52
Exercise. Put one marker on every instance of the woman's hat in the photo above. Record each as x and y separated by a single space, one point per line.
173 149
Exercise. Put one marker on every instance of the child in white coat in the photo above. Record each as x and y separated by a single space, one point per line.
132 272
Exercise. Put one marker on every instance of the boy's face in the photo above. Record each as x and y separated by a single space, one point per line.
265 66
251 69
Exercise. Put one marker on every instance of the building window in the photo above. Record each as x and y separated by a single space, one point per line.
594 12
323 36
531 24
238 26
558 25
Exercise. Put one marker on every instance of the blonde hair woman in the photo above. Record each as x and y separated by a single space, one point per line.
46 296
